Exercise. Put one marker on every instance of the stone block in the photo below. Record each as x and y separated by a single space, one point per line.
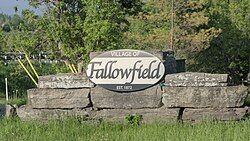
197 97
195 79
248 112
7 110
28 113
222 114
58 98
148 115
149 98
67 81
2 110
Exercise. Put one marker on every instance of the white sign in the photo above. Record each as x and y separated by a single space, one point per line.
125 70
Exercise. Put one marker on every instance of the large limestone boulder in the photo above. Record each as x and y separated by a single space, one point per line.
66 80
28 113
198 97
148 115
149 98
7 110
58 98
214 114
248 112
2 110
195 79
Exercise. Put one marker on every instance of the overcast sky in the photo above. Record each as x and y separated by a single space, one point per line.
7 6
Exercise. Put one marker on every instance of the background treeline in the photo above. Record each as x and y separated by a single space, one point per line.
213 35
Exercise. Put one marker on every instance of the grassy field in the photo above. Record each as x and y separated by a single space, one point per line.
72 129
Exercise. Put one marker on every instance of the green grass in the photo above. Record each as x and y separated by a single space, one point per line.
72 129
17 101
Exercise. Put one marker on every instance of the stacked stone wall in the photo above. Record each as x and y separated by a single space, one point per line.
181 96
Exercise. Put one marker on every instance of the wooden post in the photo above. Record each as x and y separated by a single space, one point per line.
6 89
80 67
172 25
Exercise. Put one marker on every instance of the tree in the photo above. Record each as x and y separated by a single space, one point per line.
232 45
74 28
227 50
149 29
193 34
1 40
15 21
104 24
68 30
9 23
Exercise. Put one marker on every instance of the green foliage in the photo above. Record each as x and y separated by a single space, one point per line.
104 25
193 33
63 27
212 35
10 23
247 101
131 7
229 52
149 29
4 19
133 119
68 30
71 129
18 80
1 40
15 76
74 28
14 101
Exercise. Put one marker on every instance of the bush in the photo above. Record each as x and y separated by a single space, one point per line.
133 119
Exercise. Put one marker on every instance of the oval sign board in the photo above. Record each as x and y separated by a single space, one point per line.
125 70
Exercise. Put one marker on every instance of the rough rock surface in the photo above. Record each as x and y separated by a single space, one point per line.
195 79
214 114
28 113
68 80
58 98
2 110
248 112
149 98
197 97
148 115
7 110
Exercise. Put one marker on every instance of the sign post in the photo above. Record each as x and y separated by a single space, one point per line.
6 89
